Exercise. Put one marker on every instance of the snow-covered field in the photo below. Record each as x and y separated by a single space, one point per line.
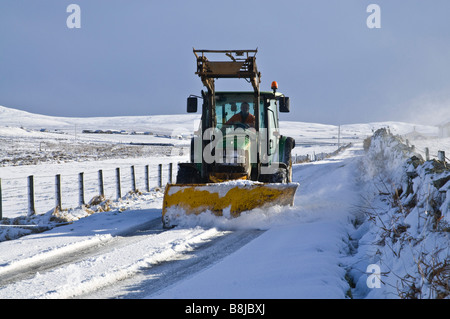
319 248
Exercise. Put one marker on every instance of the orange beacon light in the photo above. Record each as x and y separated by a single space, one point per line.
274 86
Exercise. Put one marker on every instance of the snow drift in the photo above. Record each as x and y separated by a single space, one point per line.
406 232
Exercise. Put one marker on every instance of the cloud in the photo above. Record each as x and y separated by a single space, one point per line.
430 108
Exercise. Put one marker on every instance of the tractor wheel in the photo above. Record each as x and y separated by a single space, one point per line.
288 146
187 175
280 176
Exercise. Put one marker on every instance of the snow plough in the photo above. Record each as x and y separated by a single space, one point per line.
239 160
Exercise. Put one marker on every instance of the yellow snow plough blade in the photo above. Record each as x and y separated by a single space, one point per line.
234 198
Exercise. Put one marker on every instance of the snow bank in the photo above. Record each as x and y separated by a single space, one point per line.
14 228
407 224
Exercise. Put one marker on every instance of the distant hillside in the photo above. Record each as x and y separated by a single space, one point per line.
155 123
188 123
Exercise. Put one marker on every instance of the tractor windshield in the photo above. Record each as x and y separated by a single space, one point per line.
236 110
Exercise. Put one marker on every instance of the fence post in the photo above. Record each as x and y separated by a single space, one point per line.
160 175
170 172
31 207
147 176
441 156
119 192
81 183
427 154
133 178
1 208
100 183
58 191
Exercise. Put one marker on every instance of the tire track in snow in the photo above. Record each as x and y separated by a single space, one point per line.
46 261
154 279
71 273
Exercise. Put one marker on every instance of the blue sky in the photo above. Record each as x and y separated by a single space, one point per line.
135 57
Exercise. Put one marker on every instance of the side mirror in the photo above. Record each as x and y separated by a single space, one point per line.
284 104
191 104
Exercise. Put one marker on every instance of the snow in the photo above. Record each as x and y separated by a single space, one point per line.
300 254
298 269
310 250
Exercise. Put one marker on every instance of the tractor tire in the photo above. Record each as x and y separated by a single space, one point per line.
187 174
288 146
280 176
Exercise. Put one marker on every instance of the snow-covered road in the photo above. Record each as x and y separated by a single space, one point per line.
302 252
85 264
281 252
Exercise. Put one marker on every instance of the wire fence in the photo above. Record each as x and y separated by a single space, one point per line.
37 194
298 159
